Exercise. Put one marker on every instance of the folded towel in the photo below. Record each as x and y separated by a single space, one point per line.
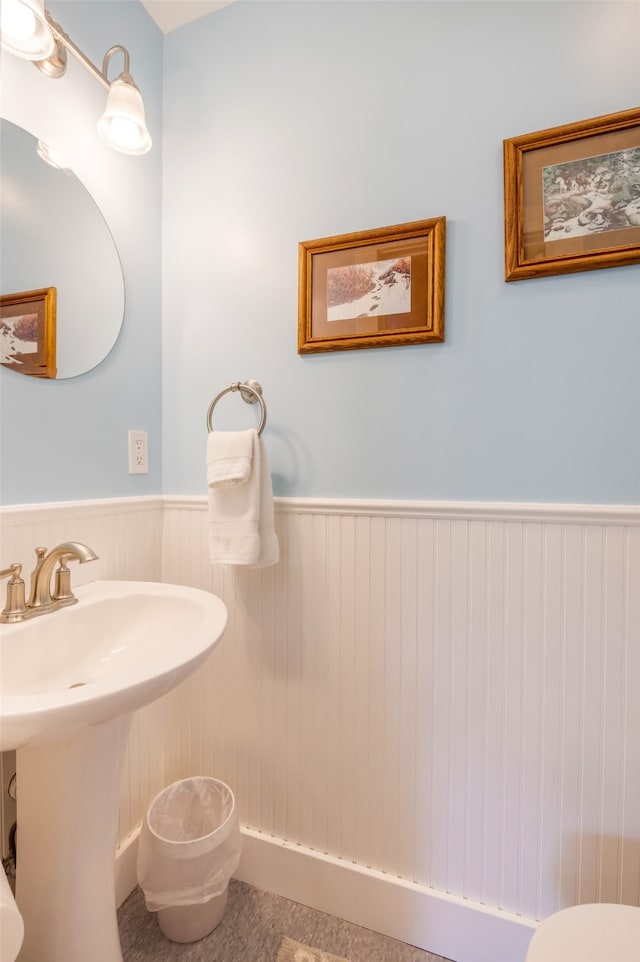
229 455
269 553
241 522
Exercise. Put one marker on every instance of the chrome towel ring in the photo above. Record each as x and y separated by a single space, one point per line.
251 392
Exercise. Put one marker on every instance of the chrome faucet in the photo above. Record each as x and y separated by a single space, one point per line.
41 598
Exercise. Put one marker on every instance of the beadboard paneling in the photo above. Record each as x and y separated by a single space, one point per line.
446 694
126 534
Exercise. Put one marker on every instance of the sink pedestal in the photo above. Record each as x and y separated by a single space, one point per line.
68 797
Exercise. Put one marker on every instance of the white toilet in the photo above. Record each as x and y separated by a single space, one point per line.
588 933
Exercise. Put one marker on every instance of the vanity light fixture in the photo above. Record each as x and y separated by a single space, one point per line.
122 124
25 31
28 31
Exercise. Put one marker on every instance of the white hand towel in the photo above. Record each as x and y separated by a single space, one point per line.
229 455
269 553
241 530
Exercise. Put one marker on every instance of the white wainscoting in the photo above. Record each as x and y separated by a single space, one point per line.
125 533
435 702
447 694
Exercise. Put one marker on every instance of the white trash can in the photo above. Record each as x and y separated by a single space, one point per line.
189 848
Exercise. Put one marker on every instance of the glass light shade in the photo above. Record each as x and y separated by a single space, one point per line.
122 126
24 30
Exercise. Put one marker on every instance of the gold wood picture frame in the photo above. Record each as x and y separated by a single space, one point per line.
572 197
374 288
28 332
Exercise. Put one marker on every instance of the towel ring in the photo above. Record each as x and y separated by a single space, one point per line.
251 392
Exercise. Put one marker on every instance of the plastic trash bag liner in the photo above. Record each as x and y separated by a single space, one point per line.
190 843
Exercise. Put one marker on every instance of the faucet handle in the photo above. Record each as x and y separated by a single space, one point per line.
15 605
62 589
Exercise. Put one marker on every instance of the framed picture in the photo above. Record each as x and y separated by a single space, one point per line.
572 197
28 332
375 288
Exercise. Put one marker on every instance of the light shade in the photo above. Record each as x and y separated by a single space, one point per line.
24 30
122 126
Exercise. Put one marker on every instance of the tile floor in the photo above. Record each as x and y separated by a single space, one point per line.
251 930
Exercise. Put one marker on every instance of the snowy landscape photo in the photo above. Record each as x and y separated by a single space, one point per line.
18 336
375 288
369 290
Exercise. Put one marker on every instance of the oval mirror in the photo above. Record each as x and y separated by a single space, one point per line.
61 280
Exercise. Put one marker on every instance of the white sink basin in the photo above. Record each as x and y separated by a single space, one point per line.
123 645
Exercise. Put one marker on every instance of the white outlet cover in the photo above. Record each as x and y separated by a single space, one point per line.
138 452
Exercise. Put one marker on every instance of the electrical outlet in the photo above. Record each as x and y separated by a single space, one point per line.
138 453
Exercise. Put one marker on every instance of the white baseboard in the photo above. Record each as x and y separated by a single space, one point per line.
452 927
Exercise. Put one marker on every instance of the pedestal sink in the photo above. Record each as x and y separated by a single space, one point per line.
69 682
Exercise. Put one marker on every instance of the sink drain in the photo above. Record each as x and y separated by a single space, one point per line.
78 684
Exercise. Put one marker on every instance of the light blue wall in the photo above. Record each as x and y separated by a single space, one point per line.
66 440
289 121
